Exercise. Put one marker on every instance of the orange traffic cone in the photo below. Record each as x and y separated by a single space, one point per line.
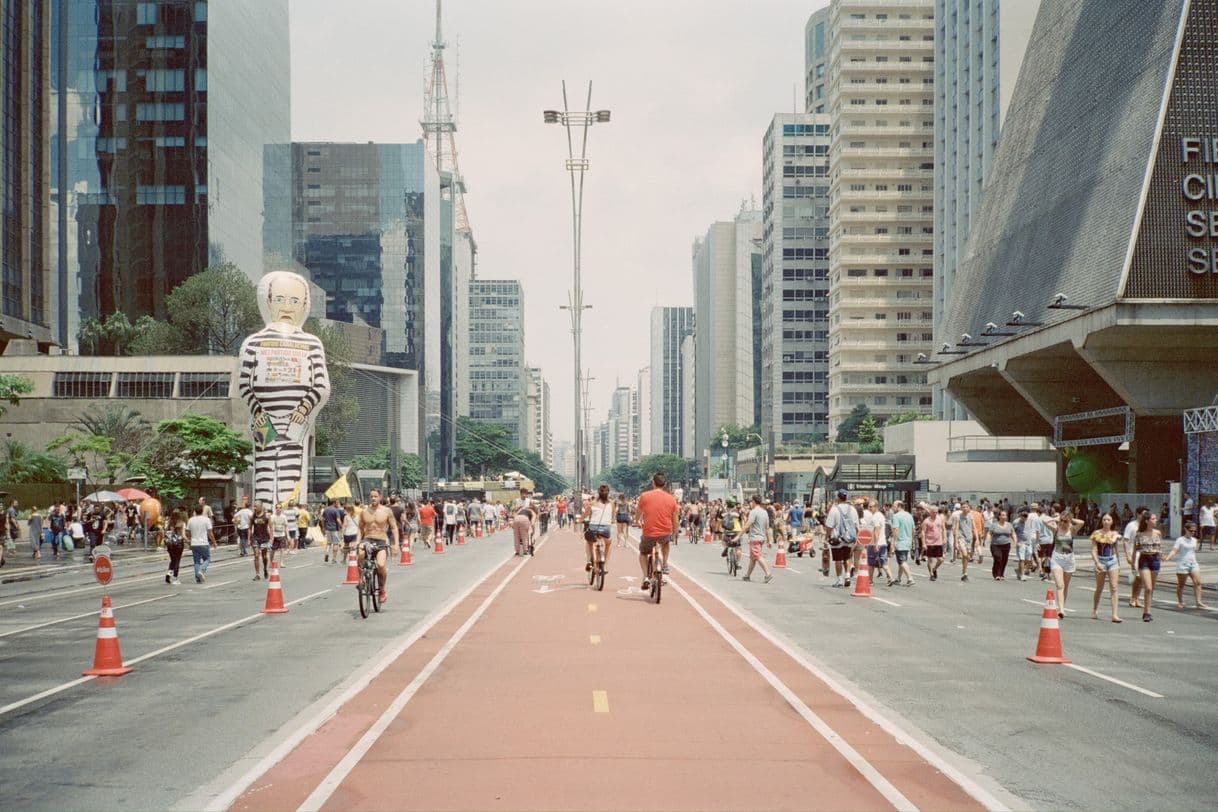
352 570
780 560
862 580
406 560
461 535
706 539
439 548
477 531
107 659
1049 644
274 594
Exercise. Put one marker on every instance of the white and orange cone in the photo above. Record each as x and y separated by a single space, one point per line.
406 560
352 570
780 558
461 535
274 594
862 580
107 658
1049 644
438 549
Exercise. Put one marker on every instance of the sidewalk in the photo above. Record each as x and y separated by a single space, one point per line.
558 697
20 565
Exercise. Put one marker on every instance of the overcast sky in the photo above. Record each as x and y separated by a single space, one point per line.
692 85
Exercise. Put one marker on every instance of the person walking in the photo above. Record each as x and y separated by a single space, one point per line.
902 541
199 530
1187 568
843 524
756 525
1207 525
280 543
175 545
350 530
1147 552
427 523
241 520
1001 535
450 521
1107 566
622 519
877 551
1062 563
934 532
34 526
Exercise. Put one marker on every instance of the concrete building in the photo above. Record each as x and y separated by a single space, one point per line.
689 357
537 417
1102 295
959 460
157 129
642 406
726 260
881 209
498 378
564 459
794 291
669 328
598 450
816 61
622 426
979 48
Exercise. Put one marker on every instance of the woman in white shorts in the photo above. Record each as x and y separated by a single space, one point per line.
1063 566
1107 566
1187 567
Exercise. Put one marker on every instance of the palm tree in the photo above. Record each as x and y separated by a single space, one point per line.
127 429
20 463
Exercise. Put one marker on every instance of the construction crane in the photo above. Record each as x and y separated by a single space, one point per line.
440 127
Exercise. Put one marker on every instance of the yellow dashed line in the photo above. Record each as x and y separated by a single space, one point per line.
600 702
591 608
595 639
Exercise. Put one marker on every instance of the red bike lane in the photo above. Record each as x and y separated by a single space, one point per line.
558 697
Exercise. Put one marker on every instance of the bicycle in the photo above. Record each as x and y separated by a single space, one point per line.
655 574
596 575
733 558
367 588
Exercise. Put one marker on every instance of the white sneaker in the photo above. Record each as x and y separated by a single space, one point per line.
176 581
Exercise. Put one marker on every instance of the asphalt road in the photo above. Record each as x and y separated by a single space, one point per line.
185 715
948 658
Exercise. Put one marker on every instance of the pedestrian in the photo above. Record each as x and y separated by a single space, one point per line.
877 550
522 522
450 521
175 545
842 522
1001 535
350 529
427 523
755 528
57 523
1062 563
34 524
622 518
1024 544
290 516
332 517
95 526
902 541
1039 530
241 519
934 533
303 520
967 537
200 533
1207 525
1107 566
1128 536
76 530
1147 551
279 534
1187 567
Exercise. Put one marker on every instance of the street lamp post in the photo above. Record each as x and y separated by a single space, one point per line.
575 303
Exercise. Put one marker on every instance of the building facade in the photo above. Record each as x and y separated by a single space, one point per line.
979 49
669 328
689 396
794 298
881 205
816 61
159 117
725 262
642 406
498 379
537 418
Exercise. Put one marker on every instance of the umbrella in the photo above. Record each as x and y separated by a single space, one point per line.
104 496
132 494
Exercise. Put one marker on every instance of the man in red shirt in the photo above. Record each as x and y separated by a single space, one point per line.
427 522
657 515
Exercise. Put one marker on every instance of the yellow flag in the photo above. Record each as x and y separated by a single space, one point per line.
339 490
294 496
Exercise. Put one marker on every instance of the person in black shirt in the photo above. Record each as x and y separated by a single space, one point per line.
260 540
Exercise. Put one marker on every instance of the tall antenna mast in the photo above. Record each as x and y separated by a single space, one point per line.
439 126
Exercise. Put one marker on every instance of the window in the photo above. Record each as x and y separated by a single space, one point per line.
200 79
204 385
81 384
201 11
144 385
145 13
169 141
160 111
164 80
160 195
160 42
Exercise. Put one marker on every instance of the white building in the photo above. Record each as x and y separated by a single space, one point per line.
643 409
979 48
958 458
723 266
689 357
622 427
794 295
497 383
816 55
538 437
881 103
669 328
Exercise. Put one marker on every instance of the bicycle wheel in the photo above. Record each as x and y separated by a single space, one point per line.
373 593
598 571
657 580
362 589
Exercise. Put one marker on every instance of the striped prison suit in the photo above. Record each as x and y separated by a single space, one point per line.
283 372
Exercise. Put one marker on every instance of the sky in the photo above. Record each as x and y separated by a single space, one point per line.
692 86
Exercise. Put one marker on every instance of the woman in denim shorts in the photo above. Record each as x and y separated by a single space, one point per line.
1107 566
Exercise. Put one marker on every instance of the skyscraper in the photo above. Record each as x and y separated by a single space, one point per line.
498 378
621 422
669 327
881 211
160 113
537 417
794 296
979 49
642 392
725 262
816 61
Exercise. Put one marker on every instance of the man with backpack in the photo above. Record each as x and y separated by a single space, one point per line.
843 524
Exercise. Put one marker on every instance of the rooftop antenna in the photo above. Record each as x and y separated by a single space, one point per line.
439 126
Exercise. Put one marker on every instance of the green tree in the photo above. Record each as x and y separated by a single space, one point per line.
208 444
910 416
209 313
482 447
127 429
12 387
94 453
20 463
410 466
847 432
737 436
868 432
115 335
342 410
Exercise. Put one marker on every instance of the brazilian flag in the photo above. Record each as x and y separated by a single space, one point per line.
265 434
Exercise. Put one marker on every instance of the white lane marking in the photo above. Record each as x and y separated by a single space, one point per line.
792 569
893 795
59 593
72 684
288 742
213 586
974 790
1113 680
341 770
78 617
885 600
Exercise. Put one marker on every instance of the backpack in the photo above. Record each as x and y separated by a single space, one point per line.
843 532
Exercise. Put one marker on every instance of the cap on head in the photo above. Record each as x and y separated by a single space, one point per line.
842 494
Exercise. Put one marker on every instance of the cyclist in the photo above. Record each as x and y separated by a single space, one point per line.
656 514
623 520
600 521
378 527
731 532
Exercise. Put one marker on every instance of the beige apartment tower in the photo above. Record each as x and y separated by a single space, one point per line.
881 205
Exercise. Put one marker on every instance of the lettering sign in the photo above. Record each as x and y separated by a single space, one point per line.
1199 156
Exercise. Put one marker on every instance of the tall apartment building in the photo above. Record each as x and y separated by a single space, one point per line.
794 297
979 48
881 205
159 122
622 426
642 407
498 379
537 417
816 61
689 367
726 261
598 450
669 327
564 459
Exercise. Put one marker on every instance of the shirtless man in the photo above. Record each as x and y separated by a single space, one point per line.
377 526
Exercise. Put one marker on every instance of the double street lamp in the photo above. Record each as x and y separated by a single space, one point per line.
577 166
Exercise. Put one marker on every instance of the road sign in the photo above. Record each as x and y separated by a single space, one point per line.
102 570
76 474
864 536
